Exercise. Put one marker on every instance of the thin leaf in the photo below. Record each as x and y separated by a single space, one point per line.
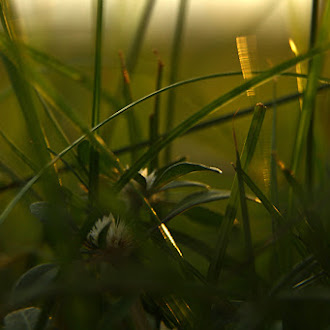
177 170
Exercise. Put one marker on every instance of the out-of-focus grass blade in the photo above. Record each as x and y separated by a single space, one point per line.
24 96
310 93
134 130
18 152
174 69
154 118
93 177
231 209
134 51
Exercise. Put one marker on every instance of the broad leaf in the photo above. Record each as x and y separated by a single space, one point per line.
33 281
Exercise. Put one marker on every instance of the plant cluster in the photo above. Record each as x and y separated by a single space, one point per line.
115 259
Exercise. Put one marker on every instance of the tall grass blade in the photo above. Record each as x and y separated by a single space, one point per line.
174 69
154 118
134 130
24 95
231 209
93 154
19 152
310 93
134 51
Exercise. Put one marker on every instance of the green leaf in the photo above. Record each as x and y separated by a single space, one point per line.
23 319
34 281
177 170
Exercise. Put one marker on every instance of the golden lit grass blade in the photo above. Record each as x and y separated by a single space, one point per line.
246 45
176 132
232 206
174 69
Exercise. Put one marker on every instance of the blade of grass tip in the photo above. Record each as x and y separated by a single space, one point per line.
134 51
134 129
174 69
154 119
178 131
93 154
231 209
211 107
25 99
310 135
245 218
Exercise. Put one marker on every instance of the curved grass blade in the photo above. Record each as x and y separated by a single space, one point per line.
179 130
177 170
208 109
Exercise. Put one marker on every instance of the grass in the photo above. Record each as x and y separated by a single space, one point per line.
150 245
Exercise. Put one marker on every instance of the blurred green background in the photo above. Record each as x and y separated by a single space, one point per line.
65 30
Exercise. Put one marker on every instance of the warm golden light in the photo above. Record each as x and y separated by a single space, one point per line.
244 55
300 84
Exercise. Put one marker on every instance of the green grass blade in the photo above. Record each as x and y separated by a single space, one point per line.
310 93
231 209
25 97
272 210
155 116
246 224
174 69
134 51
19 152
134 130
93 154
